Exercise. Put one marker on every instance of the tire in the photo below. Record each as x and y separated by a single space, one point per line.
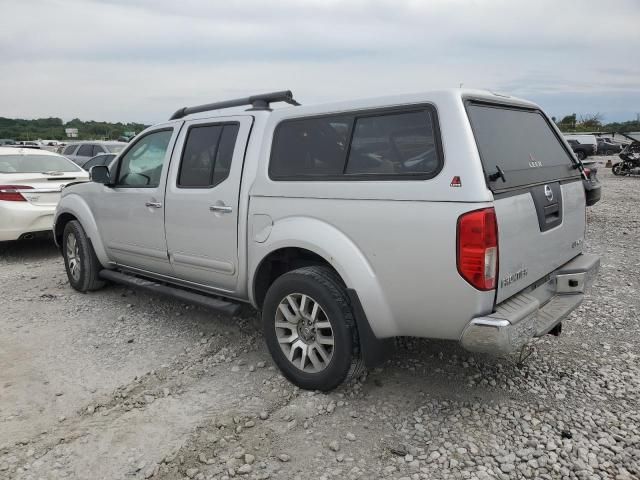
80 260
581 155
616 169
299 342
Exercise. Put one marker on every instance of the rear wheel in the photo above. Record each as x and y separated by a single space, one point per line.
581 155
310 330
80 260
617 168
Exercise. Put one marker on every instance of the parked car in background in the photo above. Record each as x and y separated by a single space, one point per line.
81 152
581 150
27 144
585 144
102 159
607 147
456 215
30 186
7 141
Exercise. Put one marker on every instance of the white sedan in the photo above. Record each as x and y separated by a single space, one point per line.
30 185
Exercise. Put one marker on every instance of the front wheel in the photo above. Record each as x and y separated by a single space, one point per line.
310 329
581 155
80 260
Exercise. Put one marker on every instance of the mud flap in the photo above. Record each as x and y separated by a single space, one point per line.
374 350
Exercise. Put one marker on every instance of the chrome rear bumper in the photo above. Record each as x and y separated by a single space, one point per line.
534 313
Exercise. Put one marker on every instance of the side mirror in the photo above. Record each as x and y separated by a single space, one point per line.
100 174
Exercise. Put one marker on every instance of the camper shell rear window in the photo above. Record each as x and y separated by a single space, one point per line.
522 143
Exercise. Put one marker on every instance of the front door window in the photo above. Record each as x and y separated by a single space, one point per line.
142 165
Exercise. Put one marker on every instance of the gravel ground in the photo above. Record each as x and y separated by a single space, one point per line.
121 384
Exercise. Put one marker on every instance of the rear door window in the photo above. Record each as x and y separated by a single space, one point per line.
207 155
85 151
521 143
70 149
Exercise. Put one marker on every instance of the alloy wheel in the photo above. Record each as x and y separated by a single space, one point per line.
73 256
304 332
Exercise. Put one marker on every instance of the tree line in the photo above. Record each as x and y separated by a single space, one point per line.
54 129
593 122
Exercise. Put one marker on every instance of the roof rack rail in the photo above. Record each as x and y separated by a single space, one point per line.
257 102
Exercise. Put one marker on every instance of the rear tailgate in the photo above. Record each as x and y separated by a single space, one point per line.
539 199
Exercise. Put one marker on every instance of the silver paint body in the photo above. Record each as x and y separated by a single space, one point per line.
394 242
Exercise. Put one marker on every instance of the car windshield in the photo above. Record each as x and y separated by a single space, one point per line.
36 164
115 148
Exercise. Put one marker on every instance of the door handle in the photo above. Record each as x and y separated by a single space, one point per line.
153 204
221 208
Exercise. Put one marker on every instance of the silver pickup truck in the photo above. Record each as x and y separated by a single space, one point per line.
453 214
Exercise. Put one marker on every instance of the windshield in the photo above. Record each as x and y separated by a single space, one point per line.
36 164
115 148
522 143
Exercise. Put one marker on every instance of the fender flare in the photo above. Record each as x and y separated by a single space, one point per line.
76 206
340 252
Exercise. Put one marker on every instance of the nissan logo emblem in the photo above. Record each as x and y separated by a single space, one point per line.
548 193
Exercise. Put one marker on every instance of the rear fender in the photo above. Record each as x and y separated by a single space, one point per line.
77 207
341 253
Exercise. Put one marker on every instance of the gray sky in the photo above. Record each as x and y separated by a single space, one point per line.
140 60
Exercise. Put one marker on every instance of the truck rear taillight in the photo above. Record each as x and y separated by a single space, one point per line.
11 193
477 239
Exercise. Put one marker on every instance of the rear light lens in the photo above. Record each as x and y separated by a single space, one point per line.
10 193
477 239
587 172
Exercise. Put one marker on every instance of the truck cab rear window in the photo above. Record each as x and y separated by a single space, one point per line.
380 145
520 142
